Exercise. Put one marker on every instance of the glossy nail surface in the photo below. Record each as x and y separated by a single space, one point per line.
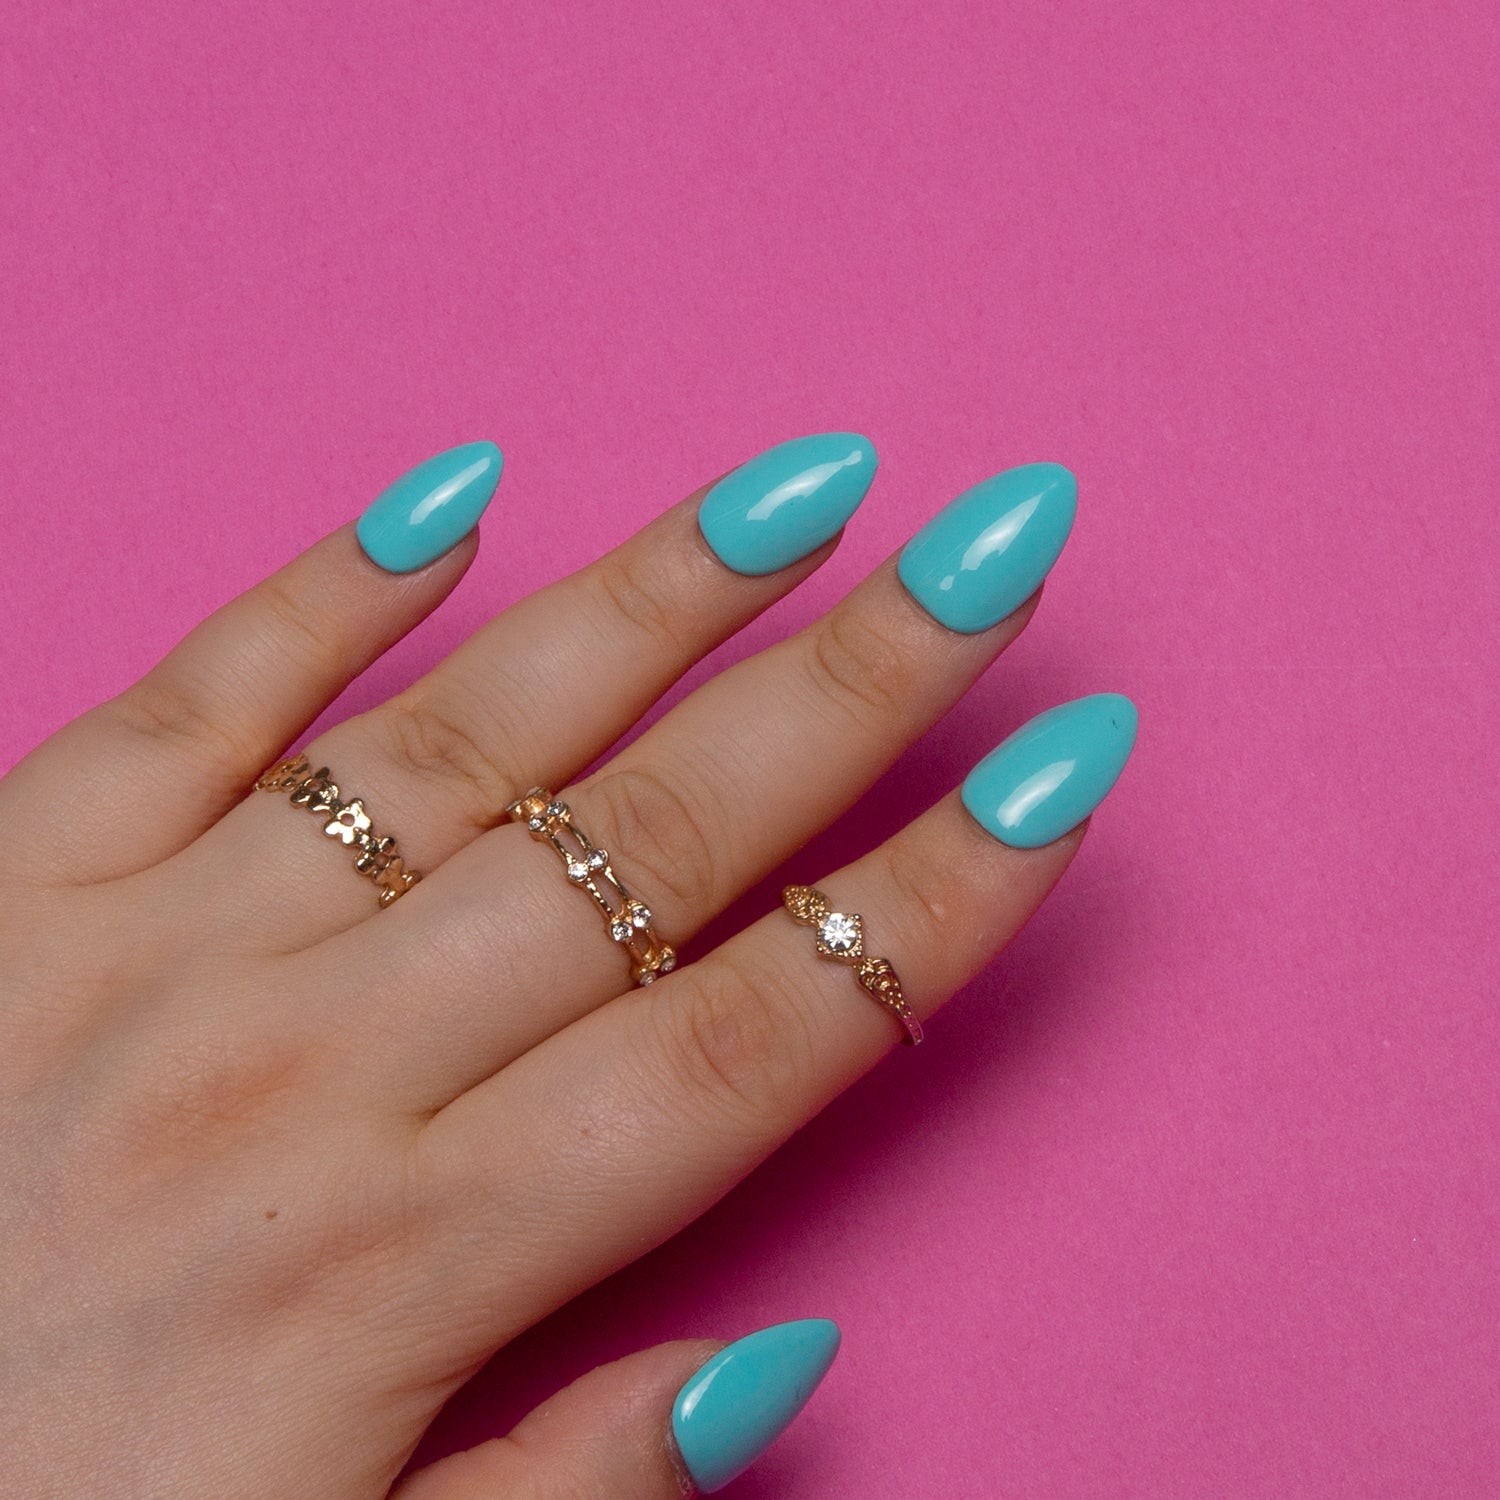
430 508
1052 772
787 501
987 552
736 1406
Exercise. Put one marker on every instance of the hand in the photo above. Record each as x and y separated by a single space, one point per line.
284 1167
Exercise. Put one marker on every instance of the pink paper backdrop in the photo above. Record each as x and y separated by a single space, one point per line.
1194 1194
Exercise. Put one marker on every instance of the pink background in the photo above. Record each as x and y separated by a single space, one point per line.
1195 1193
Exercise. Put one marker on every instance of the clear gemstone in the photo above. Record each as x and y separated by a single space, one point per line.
647 976
668 963
535 825
641 916
839 932
619 931
598 859
577 870
555 809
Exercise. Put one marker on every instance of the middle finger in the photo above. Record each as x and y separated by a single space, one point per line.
726 786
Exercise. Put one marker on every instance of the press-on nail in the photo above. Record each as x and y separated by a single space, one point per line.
736 1406
984 554
1053 771
431 508
787 501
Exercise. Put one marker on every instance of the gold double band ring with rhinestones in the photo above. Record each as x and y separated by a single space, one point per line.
841 937
628 920
348 822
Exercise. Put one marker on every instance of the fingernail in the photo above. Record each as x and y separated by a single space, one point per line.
746 1396
987 552
430 508
787 501
1053 771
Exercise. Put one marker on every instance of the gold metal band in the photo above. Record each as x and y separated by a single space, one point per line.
841 937
628 920
346 821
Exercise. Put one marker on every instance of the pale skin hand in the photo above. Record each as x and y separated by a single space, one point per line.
281 1170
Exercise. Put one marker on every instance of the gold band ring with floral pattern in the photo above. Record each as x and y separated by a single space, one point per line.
348 822
841 937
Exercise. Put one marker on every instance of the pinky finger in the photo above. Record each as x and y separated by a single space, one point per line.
166 758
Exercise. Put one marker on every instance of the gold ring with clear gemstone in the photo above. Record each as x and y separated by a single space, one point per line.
588 867
841 937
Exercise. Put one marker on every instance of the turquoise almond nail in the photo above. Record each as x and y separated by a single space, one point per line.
430 508
1052 772
736 1406
787 501
987 552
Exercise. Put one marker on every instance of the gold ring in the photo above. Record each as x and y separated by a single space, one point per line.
628 920
348 822
841 937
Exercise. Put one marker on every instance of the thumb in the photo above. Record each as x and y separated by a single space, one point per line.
653 1426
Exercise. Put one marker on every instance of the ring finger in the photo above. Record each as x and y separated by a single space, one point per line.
627 1124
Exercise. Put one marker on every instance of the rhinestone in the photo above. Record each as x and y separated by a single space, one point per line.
577 870
646 976
619 931
668 963
598 859
555 809
641 917
839 932
535 825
